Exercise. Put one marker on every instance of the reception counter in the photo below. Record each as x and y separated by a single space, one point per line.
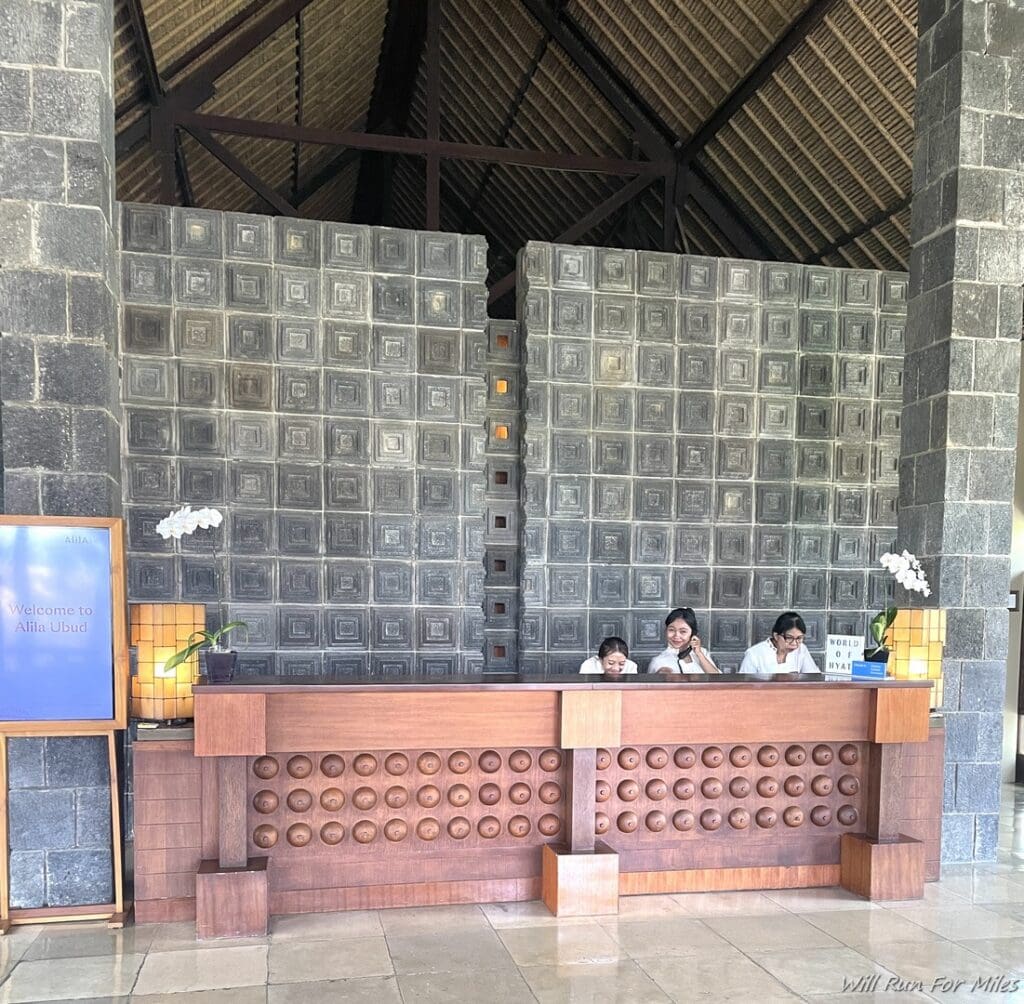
303 796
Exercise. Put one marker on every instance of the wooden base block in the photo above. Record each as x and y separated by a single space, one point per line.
231 902
5 926
120 920
728 879
882 870
165 911
581 884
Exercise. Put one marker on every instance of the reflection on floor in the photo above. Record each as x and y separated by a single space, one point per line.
965 940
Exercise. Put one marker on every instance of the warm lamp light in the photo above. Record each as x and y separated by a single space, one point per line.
158 630
916 641
160 657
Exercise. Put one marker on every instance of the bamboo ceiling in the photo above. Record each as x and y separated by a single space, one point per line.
815 161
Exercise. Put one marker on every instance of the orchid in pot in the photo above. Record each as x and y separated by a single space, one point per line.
220 663
907 571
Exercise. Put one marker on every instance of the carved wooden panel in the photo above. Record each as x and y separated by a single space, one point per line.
729 804
405 803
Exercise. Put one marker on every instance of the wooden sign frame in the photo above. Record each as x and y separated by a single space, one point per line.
118 611
114 913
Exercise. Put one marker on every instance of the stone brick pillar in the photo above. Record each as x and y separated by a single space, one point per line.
959 423
59 410
58 281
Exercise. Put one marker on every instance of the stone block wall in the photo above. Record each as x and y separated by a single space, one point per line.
323 385
59 818
59 390
704 432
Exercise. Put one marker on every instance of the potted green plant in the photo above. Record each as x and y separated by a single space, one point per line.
220 662
907 571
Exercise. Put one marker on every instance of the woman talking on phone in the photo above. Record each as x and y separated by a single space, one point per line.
684 654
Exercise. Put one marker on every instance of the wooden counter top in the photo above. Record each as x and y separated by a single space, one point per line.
515 682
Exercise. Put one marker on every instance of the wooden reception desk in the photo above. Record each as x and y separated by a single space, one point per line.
300 797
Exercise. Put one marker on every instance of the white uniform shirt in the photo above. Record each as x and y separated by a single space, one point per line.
669 659
761 658
593 665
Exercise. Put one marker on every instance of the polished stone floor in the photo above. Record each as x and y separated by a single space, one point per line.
965 940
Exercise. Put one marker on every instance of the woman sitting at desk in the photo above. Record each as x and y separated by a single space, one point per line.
612 659
784 651
684 653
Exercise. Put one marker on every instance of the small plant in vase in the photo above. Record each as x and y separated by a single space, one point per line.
220 663
907 571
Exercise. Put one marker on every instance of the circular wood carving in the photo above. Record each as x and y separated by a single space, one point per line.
685 758
332 833
489 761
740 756
364 799
265 801
520 794
520 761
459 762
264 836
428 829
300 767
364 832
299 834
332 799
299 800
657 758
396 796
459 795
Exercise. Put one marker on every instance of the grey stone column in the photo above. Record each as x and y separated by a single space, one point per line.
59 410
58 281
960 396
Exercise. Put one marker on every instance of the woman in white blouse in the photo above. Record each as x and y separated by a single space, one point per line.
684 654
612 659
784 651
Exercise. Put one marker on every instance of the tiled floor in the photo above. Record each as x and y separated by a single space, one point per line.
743 946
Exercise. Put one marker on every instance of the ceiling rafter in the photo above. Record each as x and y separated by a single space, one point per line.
198 86
170 152
401 51
276 201
656 138
549 160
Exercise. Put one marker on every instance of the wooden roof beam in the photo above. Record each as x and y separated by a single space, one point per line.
277 202
198 86
550 160
792 38
582 226
401 51
882 216
656 138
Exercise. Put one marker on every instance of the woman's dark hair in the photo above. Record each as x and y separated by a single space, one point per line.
613 644
790 619
683 614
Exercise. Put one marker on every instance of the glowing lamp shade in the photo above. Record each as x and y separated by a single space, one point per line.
158 630
915 646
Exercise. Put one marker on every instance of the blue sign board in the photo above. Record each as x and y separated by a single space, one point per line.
867 670
56 624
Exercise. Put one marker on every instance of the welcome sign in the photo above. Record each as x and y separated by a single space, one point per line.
57 622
